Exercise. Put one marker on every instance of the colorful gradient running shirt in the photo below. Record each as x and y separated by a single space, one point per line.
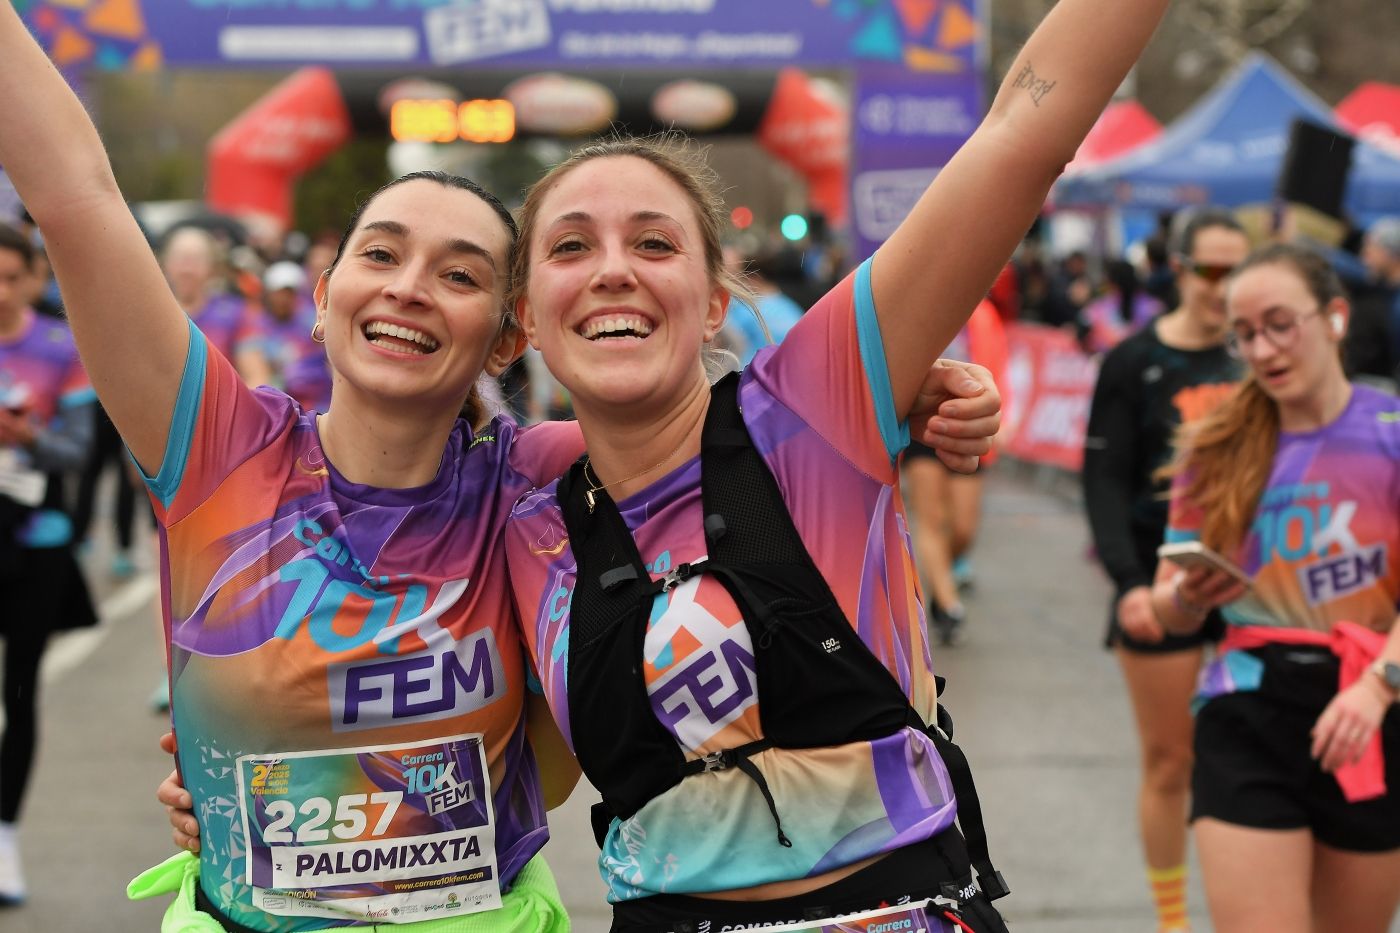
347 675
1324 546
820 411
40 375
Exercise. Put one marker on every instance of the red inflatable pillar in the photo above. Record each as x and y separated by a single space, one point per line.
810 132
253 162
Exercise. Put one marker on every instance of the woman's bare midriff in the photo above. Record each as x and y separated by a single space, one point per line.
774 890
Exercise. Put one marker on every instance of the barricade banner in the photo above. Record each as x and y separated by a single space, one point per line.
1049 385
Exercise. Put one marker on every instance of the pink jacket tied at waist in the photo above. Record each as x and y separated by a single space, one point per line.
1356 647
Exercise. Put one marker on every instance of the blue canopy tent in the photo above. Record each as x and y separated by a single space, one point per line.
1228 149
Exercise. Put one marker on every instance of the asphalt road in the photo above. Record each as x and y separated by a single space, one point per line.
1040 711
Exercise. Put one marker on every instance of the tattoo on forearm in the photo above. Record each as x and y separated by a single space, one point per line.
1033 84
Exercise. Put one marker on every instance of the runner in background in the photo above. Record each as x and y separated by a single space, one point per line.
276 347
946 507
1171 371
749 329
1296 480
192 262
1124 308
46 426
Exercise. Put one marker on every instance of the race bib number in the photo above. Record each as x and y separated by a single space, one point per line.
390 833
19 481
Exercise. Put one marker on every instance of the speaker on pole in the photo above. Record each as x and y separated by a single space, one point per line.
1315 169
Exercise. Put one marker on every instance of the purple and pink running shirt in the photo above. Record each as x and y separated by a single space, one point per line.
41 376
1324 545
820 411
347 675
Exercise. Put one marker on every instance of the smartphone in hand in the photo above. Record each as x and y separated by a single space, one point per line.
1189 554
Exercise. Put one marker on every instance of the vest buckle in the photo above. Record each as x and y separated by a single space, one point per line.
679 574
674 578
714 761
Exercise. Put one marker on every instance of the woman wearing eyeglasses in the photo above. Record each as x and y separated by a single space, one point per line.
1173 369
1296 786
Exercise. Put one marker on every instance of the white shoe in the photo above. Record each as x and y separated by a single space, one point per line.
11 877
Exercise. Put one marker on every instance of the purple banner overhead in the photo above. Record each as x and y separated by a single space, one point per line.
906 127
914 35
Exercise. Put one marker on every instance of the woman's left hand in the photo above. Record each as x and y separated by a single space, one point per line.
17 430
957 413
1348 723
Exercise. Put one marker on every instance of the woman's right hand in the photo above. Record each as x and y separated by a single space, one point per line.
1203 588
1182 599
178 804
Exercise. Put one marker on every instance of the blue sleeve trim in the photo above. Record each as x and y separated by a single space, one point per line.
1177 536
78 397
177 444
893 431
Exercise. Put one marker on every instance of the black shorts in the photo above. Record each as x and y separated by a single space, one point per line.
1208 634
45 590
917 451
907 875
1254 765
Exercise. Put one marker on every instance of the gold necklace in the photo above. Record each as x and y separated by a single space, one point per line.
589 497
595 487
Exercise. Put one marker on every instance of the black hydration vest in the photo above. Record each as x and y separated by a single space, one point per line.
819 684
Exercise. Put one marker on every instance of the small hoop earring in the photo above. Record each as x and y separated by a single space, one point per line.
318 332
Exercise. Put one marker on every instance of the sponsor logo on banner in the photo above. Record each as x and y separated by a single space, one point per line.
471 31
883 199
909 115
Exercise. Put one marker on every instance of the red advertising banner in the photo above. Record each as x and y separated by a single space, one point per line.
1049 384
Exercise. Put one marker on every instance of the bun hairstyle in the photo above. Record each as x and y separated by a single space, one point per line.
475 411
1227 455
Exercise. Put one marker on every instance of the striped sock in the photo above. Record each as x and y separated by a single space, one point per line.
1169 897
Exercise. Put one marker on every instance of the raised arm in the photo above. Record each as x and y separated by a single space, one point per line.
934 269
131 334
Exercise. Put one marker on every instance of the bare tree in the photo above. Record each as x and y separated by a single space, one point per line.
1236 26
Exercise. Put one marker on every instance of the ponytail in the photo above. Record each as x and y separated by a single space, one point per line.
1226 457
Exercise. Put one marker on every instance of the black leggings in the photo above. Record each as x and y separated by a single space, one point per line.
24 648
107 448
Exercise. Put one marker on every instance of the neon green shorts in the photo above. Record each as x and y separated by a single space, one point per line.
531 906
